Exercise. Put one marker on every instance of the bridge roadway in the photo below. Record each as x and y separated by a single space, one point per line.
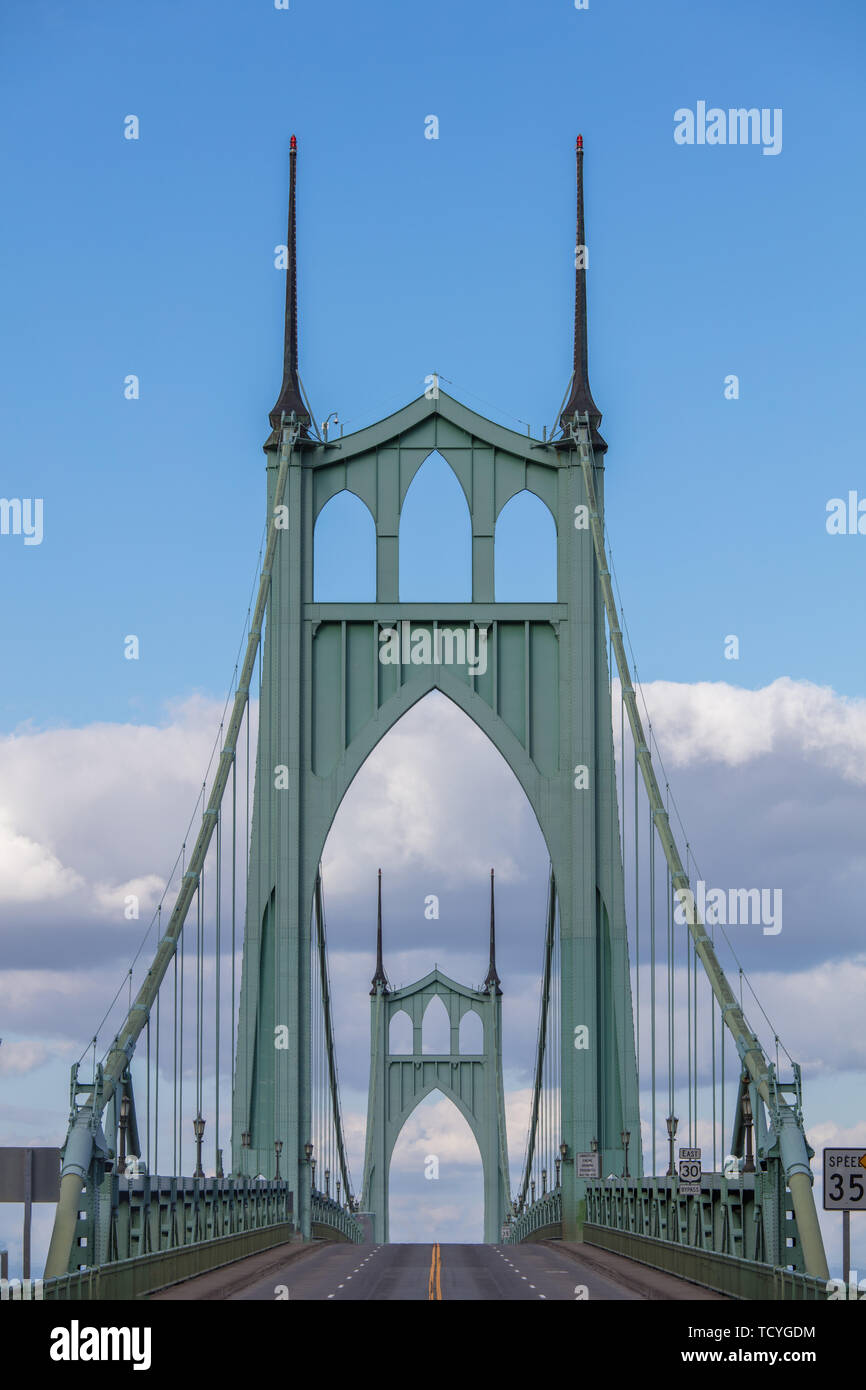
550 1270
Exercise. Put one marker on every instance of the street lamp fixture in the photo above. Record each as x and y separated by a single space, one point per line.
308 1151
749 1165
198 1130
671 1123
278 1149
593 1144
327 1182
557 1164
625 1136
544 1182
124 1121
532 1190
313 1173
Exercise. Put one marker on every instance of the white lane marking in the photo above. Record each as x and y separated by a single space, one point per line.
339 1286
523 1277
532 1286
330 1295
542 1295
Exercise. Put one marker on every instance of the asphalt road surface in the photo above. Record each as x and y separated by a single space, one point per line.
436 1272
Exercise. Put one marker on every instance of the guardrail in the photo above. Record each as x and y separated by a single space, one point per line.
330 1217
146 1274
136 1216
541 1220
726 1274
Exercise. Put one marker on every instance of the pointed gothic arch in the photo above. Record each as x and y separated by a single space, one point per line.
436 1027
344 551
398 1084
435 538
471 1038
525 551
421 1177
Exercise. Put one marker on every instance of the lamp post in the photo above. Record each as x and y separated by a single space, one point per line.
671 1123
278 1149
532 1190
625 1136
198 1130
219 1172
749 1165
328 1183
124 1121
557 1163
338 1191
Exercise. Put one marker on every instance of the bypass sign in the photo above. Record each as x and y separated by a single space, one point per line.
845 1179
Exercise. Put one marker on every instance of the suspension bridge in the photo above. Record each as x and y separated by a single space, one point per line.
205 1123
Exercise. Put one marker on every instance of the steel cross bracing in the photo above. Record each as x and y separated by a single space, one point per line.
787 1119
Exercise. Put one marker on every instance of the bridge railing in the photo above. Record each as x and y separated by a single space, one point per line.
130 1217
545 1214
326 1212
736 1236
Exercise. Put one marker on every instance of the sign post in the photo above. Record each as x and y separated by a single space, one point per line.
28 1176
845 1191
690 1172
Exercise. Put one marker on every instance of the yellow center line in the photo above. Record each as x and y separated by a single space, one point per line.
434 1282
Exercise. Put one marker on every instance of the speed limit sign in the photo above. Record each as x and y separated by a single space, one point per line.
845 1179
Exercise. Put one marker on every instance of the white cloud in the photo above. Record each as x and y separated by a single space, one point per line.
30 871
433 792
716 722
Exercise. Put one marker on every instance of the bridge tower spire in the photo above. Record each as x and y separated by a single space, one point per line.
290 399
380 979
580 401
492 980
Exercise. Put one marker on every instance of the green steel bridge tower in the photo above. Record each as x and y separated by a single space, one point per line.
328 696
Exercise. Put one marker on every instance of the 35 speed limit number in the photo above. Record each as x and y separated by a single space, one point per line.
845 1179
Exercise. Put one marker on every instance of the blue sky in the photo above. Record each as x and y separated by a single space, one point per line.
156 257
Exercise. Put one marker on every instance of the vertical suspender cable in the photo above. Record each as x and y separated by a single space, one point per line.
147 1110
234 901
175 1162
156 1094
652 867
218 962
637 914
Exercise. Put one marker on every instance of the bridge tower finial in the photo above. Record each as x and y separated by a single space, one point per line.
290 397
580 400
492 977
380 979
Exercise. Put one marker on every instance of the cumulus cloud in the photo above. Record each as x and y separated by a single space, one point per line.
30 871
432 797
712 721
